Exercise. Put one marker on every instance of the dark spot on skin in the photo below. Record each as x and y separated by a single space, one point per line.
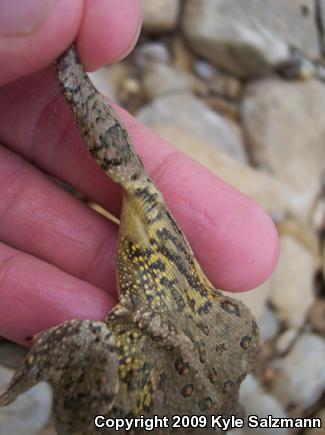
201 350
187 390
181 366
227 386
230 307
221 348
191 303
205 308
162 380
205 404
304 10
254 328
204 328
134 176
95 329
213 375
245 342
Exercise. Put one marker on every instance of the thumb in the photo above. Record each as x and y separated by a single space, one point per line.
33 32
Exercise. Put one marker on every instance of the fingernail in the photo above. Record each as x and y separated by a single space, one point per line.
133 43
21 17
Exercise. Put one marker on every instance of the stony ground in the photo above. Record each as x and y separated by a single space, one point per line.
223 81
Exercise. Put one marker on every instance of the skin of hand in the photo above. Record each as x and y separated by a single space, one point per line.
57 256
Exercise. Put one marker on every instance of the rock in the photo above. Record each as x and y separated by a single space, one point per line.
223 106
183 58
29 413
302 233
160 79
225 86
301 379
285 340
269 324
257 402
316 316
203 69
317 219
11 354
251 37
292 282
188 113
273 195
159 15
285 128
151 52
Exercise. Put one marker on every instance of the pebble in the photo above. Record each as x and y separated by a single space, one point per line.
203 69
300 379
285 340
269 324
151 52
159 16
161 79
292 282
257 402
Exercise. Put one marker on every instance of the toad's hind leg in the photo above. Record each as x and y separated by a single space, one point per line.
78 358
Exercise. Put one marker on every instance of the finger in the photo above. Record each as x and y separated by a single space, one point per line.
39 218
117 26
35 296
34 33
237 244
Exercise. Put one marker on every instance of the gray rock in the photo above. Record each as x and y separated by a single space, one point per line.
257 402
250 37
151 52
285 340
189 113
161 79
285 129
29 413
159 15
205 70
292 282
301 379
269 324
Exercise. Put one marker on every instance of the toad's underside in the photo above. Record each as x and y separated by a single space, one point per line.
173 345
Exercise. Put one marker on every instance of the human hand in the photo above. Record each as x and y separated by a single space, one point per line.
56 254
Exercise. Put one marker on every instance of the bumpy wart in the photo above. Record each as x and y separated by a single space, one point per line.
173 344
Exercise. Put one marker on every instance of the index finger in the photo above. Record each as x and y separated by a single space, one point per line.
34 32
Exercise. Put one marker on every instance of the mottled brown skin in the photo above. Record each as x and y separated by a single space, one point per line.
173 344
